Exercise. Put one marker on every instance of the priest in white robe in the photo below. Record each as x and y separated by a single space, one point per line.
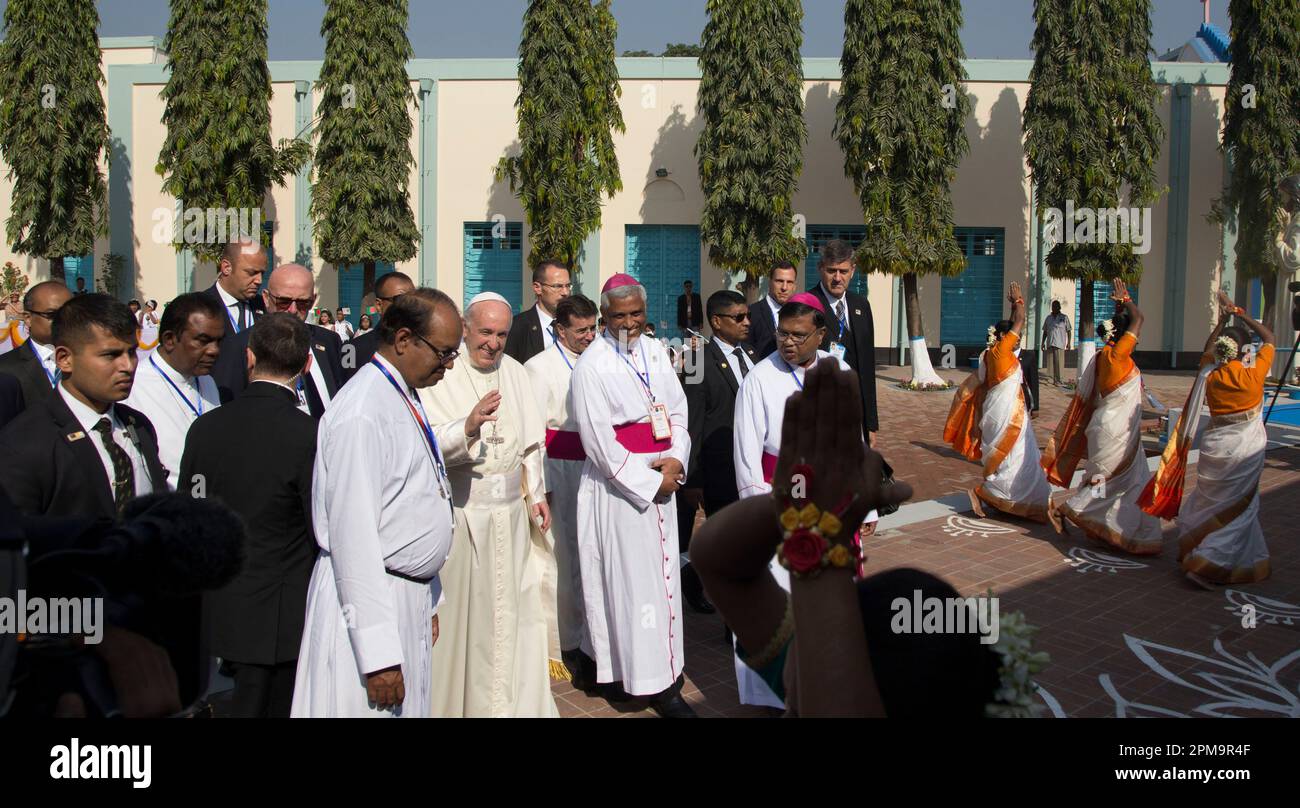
551 371
756 434
492 661
381 510
631 413
173 385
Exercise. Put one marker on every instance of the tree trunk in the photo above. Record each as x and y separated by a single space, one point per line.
368 278
922 369
749 286
1087 328
56 269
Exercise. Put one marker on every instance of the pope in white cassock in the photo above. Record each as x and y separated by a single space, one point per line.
492 661
381 509
756 437
631 413
551 371
172 385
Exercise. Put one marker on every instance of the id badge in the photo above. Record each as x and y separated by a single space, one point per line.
659 422
837 351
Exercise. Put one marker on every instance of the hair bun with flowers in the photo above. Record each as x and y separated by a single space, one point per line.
992 337
1226 349
1107 329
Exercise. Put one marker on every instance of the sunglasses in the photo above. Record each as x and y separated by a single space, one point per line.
285 303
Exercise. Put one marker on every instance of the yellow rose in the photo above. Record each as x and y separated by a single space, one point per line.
809 515
829 525
840 556
790 519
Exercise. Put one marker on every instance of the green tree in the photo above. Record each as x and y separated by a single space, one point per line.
218 153
567 111
1091 131
901 122
694 51
52 128
637 53
1261 131
750 151
360 204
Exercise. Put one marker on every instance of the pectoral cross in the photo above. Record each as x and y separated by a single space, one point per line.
496 440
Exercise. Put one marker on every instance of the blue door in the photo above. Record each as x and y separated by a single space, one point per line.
1102 306
817 236
79 267
972 301
662 257
494 264
352 288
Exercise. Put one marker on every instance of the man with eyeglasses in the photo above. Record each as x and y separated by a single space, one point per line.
760 410
382 515
32 363
531 332
292 288
551 371
358 350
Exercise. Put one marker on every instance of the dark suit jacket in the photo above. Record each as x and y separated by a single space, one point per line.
762 328
45 473
11 399
22 364
255 455
363 348
711 405
326 352
526 339
697 312
860 348
230 371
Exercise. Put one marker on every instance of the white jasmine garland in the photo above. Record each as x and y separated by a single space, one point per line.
1107 329
992 337
1226 349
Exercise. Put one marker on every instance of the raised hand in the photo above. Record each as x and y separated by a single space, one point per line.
1226 306
1119 291
483 412
1013 295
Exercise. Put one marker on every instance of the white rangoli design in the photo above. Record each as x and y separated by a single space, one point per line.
1085 561
1236 688
961 526
1265 609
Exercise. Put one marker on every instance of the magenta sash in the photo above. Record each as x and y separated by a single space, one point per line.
564 445
639 438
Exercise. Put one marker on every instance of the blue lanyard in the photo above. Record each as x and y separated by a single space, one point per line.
238 326
793 375
419 419
196 410
563 355
53 377
645 380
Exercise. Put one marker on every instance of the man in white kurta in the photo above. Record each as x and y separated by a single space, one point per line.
491 660
381 510
173 385
550 372
627 517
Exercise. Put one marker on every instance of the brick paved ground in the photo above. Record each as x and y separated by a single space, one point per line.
1098 612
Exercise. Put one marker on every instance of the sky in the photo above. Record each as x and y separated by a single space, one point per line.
994 29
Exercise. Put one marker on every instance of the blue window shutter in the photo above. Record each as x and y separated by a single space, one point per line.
972 301
494 264
662 257
1102 306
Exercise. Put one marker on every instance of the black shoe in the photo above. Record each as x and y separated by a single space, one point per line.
693 591
613 692
674 707
582 670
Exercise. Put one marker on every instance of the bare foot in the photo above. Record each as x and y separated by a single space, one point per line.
975 504
1054 516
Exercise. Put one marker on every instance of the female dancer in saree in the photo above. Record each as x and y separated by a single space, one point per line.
1219 537
1105 421
989 421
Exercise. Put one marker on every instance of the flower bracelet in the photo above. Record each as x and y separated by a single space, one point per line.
806 533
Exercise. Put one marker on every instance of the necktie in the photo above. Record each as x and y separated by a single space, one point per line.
740 362
839 315
243 315
123 471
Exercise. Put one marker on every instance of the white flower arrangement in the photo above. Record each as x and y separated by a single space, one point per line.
1107 328
1226 349
1016 688
992 338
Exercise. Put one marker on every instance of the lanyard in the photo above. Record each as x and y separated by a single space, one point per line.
563 355
196 410
239 326
53 377
793 375
645 380
419 419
